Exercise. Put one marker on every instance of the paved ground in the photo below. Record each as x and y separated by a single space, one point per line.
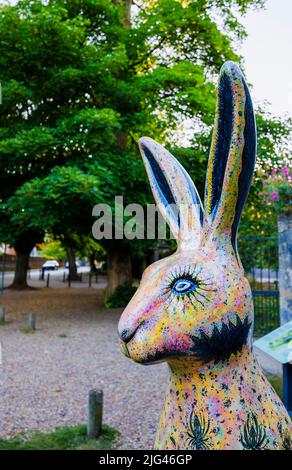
45 376
58 279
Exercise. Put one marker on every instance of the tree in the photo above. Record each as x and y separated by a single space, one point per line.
82 81
52 249
273 151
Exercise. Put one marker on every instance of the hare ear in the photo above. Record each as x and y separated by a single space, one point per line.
174 192
232 154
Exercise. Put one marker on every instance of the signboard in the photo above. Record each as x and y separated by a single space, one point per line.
278 343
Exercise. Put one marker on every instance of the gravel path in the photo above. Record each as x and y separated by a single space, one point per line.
45 376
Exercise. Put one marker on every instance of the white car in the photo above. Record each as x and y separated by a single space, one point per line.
50 265
77 263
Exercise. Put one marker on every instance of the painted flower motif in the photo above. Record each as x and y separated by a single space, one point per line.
253 436
198 431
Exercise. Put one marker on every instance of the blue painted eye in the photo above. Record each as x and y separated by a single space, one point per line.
183 286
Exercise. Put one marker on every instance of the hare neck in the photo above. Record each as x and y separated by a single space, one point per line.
210 394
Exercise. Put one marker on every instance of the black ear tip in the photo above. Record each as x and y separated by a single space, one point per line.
143 140
146 144
231 70
146 141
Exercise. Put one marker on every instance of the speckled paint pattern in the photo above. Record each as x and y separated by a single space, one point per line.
194 309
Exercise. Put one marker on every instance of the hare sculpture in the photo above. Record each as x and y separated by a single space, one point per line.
194 309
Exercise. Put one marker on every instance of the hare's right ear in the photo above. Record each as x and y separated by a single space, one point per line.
232 155
174 192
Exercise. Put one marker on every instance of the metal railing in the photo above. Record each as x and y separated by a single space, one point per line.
259 256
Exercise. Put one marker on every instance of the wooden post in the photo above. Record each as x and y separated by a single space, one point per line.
95 405
69 280
2 315
89 280
31 321
80 275
48 280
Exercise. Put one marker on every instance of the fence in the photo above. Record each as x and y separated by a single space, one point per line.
259 256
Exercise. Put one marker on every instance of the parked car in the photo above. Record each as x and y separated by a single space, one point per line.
50 265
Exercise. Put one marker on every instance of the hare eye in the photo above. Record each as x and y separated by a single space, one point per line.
183 286
186 283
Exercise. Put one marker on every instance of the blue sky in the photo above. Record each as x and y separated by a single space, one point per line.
267 54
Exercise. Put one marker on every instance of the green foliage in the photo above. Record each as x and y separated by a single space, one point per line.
120 298
65 438
81 84
88 246
61 200
53 250
277 190
273 151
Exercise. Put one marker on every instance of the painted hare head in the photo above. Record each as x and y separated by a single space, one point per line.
197 303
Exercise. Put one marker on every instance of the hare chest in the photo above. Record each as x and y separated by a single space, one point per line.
222 407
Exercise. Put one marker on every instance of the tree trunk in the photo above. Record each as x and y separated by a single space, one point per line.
23 247
119 267
72 265
20 275
92 264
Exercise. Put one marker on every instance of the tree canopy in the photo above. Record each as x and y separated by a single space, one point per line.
82 81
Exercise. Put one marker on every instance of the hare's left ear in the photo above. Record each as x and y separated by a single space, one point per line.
174 192
232 155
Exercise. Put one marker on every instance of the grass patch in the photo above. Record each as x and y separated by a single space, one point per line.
65 438
28 331
277 383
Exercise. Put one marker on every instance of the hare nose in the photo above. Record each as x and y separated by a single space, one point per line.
127 335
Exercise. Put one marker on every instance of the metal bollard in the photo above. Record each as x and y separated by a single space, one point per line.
48 280
95 405
32 321
2 315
